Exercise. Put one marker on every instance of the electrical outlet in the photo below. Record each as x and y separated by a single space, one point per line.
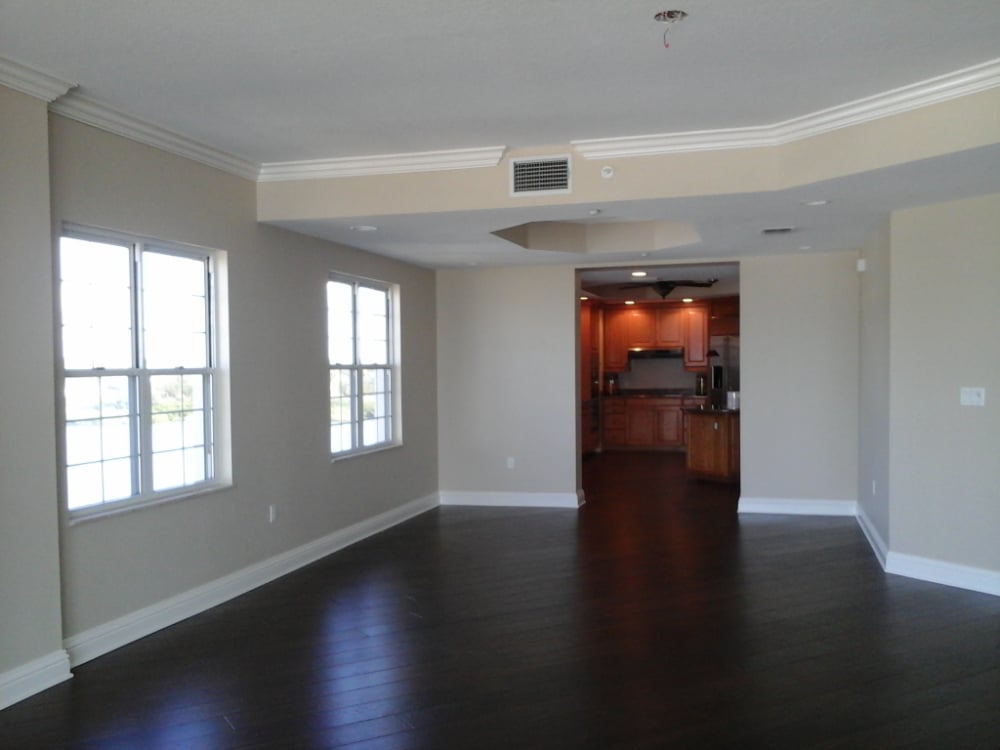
510 462
972 396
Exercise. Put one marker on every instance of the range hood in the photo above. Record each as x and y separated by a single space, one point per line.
656 353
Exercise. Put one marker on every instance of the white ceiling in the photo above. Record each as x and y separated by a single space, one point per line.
317 79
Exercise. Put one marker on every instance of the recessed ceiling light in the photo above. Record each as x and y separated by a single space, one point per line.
805 247
593 212
816 203
363 228
688 299
638 274
584 298
630 302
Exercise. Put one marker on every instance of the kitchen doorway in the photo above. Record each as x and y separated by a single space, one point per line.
659 351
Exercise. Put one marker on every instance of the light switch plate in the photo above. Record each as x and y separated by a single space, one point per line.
972 396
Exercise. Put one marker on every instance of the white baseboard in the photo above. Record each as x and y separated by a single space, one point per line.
911 566
34 677
99 640
514 499
875 540
946 573
798 507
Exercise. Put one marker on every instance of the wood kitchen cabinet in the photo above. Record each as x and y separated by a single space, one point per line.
670 424
713 448
590 426
695 337
655 326
724 316
640 327
640 424
614 420
643 422
615 339
669 327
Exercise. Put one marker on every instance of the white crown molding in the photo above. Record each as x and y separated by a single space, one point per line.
894 102
32 82
943 88
360 166
89 112
62 100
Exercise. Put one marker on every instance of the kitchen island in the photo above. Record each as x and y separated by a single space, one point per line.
713 444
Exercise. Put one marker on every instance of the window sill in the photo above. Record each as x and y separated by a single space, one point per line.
338 457
85 515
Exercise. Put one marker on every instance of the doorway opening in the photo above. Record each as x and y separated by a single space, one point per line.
658 354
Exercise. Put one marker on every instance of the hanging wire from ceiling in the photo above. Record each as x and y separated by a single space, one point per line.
669 17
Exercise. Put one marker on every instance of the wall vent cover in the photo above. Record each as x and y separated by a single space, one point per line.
537 176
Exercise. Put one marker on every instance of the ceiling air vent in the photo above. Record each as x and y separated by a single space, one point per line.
538 176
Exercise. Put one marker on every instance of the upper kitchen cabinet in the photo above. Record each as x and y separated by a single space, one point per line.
724 316
669 327
640 327
695 337
655 326
615 339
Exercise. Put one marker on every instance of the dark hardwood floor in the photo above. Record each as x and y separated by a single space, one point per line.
653 618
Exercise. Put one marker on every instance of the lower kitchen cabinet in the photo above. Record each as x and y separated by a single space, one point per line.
590 426
713 448
613 427
643 422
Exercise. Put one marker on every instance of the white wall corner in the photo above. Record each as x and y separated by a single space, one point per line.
34 677
513 499
875 540
797 507
946 573
104 638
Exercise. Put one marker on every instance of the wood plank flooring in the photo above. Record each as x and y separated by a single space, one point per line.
653 618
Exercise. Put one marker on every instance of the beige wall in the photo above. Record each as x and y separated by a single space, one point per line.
507 388
279 391
30 619
944 472
507 383
873 412
799 377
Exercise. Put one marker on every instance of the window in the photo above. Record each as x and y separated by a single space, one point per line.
139 370
362 361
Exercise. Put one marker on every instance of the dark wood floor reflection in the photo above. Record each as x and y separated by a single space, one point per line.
653 618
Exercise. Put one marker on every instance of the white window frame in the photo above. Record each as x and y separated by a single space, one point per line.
215 387
391 423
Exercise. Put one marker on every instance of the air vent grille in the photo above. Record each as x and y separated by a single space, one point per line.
548 175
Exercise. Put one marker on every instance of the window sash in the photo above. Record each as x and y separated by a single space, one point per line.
166 416
362 368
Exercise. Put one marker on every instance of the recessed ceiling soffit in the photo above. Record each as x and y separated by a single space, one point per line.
601 237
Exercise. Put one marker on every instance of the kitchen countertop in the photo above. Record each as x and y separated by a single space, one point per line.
710 410
655 393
